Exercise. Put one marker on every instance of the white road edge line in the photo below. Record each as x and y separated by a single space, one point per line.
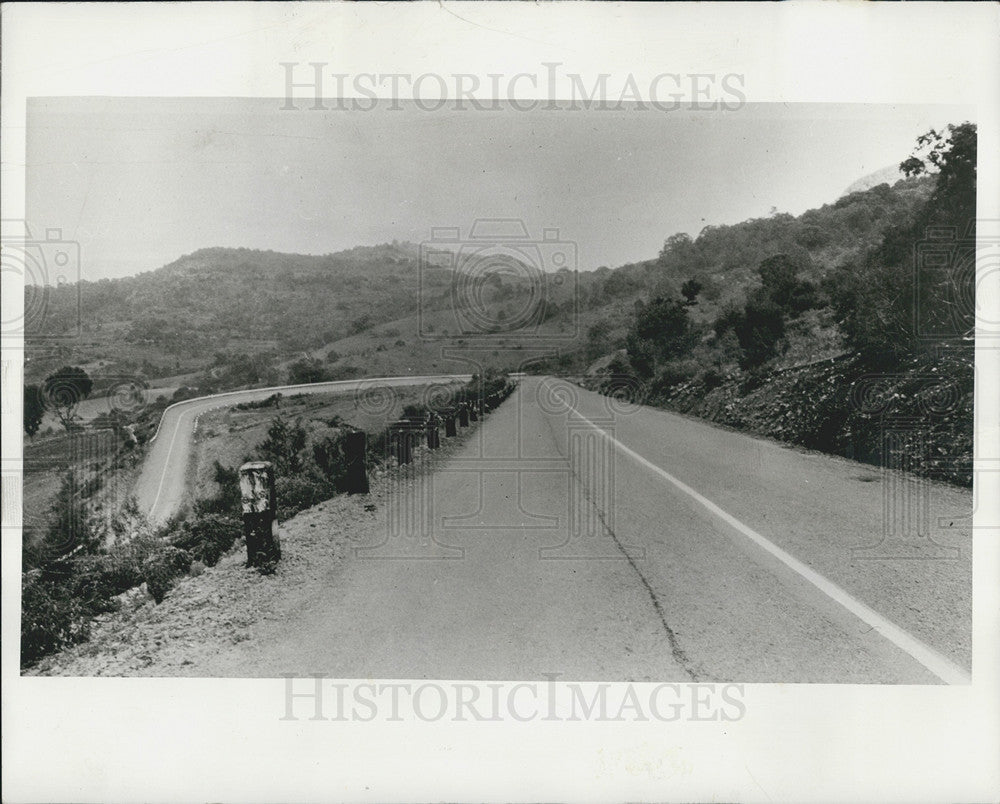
939 665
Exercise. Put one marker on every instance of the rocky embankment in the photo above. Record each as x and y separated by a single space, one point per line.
917 417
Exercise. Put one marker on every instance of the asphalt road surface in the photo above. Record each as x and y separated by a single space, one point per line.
160 487
576 535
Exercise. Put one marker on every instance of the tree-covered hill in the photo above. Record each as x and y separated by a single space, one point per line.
883 279
224 317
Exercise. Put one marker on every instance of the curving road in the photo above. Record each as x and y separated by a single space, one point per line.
572 534
161 483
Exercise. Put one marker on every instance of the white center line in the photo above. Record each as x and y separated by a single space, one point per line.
939 665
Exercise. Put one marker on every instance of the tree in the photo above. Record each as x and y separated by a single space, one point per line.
759 330
598 339
951 155
781 286
70 526
283 446
661 331
307 370
690 290
915 288
778 275
34 409
678 252
65 390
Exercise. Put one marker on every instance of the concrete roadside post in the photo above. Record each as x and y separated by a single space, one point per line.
433 434
403 442
259 514
356 478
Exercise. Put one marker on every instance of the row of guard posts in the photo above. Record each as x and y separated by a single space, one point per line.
408 432
257 487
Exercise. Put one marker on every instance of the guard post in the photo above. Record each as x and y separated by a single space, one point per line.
402 442
433 434
356 475
259 511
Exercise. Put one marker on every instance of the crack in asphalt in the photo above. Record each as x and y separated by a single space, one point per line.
676 651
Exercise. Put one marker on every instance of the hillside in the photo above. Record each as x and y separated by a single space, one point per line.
228 318
842 330
887 175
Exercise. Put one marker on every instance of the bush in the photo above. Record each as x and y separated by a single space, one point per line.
161 568
662 330
711 378
306 371
283 445
51 618
98 579
227 500
297 492
209 537
760 332
273 401
674 373
328 454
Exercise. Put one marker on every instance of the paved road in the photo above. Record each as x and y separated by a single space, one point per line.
574 538
161 484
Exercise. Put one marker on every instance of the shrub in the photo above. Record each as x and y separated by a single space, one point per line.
161 568
662 330
674 373
760 332
227 500
209 537
283 445
297 492
70 527
328 453
51 617
711 378
98 579
273 401
307 370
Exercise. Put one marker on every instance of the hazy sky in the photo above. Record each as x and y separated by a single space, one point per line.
139 182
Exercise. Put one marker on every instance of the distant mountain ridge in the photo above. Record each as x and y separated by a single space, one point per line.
890 174
374 305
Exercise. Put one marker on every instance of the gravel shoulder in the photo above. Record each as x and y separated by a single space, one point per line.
228 604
